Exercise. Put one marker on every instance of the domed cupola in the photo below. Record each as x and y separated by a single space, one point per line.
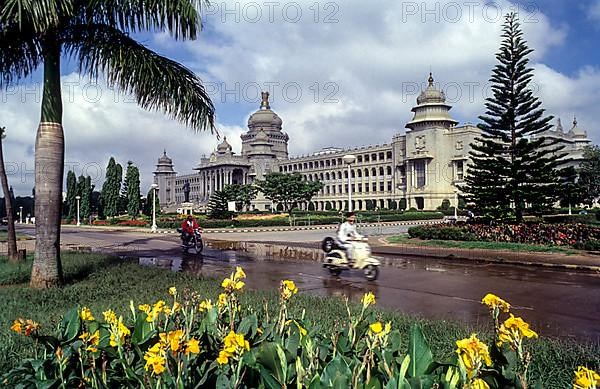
165 164
224 147
431 110
431 95
575 132
265 118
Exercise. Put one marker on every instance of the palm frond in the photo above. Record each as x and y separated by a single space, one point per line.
20 54
39 14
157 83
181 18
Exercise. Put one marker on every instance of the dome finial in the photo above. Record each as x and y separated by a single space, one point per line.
430 80
265 100
559 127
574 121
165 152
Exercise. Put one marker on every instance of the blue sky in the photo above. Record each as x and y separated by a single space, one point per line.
359 66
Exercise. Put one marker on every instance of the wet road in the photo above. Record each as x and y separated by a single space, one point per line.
555 302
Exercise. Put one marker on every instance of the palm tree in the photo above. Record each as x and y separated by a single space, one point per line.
96 35
12 238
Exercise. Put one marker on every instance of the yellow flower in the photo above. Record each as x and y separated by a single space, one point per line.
205 305
231 284
288 289
17 325
192 346
172 291
239 273
478 383
368 299
174 338
31 326
156 359
586 379
86 314
493 302
223 358
222 299
474 354
513 331
109 316
118 332
90 340
157 309
376 327
145 308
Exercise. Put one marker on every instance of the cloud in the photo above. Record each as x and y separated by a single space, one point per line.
342 74
593 12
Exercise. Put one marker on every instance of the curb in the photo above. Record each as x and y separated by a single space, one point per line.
550 265
302 228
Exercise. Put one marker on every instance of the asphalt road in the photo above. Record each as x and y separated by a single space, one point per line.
555 302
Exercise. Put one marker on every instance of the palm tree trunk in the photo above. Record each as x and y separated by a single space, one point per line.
12 238
49 167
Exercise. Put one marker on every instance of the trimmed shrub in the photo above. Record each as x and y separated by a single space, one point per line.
570 219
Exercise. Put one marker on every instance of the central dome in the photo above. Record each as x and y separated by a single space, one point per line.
430 94
265 118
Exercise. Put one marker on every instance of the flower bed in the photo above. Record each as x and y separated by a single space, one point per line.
575 235
188 341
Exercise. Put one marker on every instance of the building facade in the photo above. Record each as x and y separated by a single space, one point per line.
418 169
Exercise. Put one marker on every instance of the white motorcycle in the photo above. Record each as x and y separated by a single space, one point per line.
336 258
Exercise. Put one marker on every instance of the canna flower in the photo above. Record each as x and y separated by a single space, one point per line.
368 299
474 354
145 308
376 328
91 341
478 383
192 346
110 316
239 273
205 305
287 289
173 291
234 282
223 358
156 359
513 331
30 327
222 300
174 338
18 325
495 302
86 314
586 379
157 309
118 332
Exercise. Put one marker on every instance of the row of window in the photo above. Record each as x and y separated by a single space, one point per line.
373 157
356 188
354 173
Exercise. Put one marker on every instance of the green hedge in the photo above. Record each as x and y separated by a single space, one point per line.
441 233
571 219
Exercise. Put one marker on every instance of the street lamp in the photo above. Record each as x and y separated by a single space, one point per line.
349 160
154 188
21 215
455 203
78 219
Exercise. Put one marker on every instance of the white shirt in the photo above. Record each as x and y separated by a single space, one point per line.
347 232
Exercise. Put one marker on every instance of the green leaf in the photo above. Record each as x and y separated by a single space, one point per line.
70 325
222 382
404 366
248 326
315 383
142 332
336 374
272 357
419 351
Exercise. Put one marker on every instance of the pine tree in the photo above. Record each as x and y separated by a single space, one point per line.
589 175
218 207
71 193
132 181
148 204
513 166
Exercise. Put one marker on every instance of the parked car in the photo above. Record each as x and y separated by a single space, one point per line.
4 221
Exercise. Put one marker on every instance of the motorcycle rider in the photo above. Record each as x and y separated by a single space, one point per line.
347 232
187 228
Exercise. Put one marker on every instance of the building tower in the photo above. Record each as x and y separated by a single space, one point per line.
270 124
431 110
164 177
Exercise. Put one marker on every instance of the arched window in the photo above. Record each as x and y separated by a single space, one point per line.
381 171
345 174
373 172
359 173
327 176
366 172
353 174
389 170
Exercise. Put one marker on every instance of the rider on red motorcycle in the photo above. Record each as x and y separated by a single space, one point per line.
188 227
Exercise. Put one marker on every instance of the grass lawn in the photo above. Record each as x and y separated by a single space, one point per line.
4 236
101 282
404 239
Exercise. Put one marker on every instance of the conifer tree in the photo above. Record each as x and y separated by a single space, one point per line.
71 193
132 183
111 189
218 207
513 165
86 198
